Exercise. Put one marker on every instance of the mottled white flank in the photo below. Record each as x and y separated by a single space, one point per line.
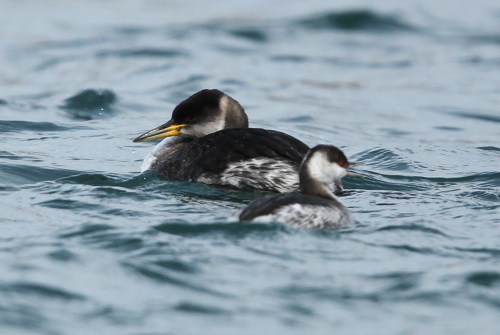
161 148
308 216
256 173
321 169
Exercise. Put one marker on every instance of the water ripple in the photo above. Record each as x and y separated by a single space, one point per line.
177 266
486 279
290 58
16 126
413 227
396 182
145 52
403 283
161 275
106 237
87 229
90 104
23 316
40 290
98 179
399 281
375 181
489 148
11 156
191 307
252 34
23 174
490 252
229 230
62 255
357 20
477 116
71 205
490 196
88 244
386 159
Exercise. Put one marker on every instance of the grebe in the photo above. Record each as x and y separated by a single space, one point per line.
208 141
315 206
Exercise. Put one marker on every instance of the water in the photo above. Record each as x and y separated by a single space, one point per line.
90 245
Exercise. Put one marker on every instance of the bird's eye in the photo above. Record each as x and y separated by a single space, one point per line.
190 118
341 164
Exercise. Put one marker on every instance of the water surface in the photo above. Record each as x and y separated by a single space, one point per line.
90 245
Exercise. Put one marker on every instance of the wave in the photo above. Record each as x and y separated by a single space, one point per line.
90 104
357 20
252 34
231 230
386 159
106 237
16 126
413 227
20 174
484 278
162 275
143 53
45 291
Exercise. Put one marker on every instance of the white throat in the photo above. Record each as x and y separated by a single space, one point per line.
162 148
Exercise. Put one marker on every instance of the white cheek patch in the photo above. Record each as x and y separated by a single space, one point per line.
322 170
316 165
200 130
219 123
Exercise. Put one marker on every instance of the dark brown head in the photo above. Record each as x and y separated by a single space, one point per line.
201 114
322 165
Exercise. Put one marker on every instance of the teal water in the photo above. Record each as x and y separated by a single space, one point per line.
91 246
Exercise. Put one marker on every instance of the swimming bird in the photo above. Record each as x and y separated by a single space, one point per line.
207 140
315 206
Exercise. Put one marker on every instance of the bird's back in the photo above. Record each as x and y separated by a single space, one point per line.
241 158
299 210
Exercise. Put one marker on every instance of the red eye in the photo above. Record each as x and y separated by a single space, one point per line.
341 164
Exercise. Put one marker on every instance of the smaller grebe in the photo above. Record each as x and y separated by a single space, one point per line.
315 206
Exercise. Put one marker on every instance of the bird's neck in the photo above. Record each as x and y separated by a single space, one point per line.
170 144
234 115
314 187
